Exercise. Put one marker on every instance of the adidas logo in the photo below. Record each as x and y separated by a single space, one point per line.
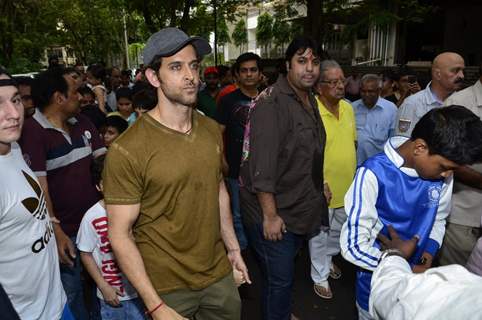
37 206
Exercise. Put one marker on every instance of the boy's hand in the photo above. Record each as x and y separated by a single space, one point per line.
424 264
111 295
406 247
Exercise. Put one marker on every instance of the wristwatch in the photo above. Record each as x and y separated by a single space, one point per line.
390 252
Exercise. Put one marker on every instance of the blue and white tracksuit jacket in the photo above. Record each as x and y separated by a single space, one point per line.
386 193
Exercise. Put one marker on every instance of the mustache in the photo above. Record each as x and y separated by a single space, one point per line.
459 80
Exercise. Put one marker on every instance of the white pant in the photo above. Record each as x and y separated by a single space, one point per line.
325 245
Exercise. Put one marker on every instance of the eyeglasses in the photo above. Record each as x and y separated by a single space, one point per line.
335 82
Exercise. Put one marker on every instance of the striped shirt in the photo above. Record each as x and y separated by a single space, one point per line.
64 158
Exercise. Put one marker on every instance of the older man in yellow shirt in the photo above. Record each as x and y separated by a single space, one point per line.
339 168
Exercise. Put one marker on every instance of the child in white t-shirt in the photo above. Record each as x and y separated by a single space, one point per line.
118 299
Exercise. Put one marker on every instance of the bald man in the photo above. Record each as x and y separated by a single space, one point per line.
447 77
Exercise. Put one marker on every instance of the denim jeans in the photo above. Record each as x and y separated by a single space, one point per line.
72 283
277 263
128 310
233 187
66 313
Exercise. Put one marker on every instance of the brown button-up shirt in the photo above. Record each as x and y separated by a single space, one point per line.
283 155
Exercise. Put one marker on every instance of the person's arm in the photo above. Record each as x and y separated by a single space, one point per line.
109 293
65 247
469 177
438 230
121 220
99 95
228 234
266 133
362 226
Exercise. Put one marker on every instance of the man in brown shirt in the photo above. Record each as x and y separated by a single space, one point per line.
282 174
168 208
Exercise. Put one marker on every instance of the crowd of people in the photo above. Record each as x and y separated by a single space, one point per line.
137 196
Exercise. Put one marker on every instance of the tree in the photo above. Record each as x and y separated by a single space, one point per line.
264 31
240 34
281 28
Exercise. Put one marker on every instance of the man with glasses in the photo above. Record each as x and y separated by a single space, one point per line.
375 118
339 169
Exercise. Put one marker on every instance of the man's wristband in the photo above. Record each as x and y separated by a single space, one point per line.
390 252
148 313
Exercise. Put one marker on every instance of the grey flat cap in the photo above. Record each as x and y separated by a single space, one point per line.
168 41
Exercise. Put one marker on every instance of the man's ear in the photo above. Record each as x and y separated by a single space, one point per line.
420 147
153 78
58 98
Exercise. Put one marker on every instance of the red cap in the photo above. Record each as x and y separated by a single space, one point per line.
209 70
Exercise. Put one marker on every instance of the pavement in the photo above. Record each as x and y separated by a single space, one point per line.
306 304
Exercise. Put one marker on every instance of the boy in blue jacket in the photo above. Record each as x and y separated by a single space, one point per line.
408 186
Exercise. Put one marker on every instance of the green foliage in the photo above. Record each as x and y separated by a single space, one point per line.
264 30
240 34
223 32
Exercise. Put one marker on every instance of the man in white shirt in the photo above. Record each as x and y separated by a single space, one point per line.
28 253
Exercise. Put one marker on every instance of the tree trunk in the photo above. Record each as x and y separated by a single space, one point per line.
314 19
147 18
185 15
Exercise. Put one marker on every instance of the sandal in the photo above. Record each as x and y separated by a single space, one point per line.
323 290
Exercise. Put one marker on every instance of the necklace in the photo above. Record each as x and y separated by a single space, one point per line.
188 130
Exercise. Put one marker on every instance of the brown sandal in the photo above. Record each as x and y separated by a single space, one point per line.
322 291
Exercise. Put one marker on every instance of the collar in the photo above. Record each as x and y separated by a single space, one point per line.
46 124
378 104
324 110
392 153
430 97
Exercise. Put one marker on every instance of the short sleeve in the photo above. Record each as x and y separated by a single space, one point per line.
86 237
97 144
34 148
122 180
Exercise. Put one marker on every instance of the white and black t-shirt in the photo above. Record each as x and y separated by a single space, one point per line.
93 238
29 265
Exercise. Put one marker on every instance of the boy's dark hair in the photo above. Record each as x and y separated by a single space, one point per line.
117 122
144 99
86 90
96 168
46 84
123 93
126 73
247 56
453 132
98 71
300 44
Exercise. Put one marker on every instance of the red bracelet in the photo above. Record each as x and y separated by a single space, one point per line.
148 313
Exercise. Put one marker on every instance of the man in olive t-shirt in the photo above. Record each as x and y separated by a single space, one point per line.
168 208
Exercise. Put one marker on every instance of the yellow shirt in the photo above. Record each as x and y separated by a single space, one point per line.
340 154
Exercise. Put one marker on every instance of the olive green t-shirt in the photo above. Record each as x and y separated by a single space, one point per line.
175 178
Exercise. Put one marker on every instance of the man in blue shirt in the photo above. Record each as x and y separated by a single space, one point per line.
375 118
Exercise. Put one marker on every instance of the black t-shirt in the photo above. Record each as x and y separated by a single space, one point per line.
233 112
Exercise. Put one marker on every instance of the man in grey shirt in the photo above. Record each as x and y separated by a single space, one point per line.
447 77
463 228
